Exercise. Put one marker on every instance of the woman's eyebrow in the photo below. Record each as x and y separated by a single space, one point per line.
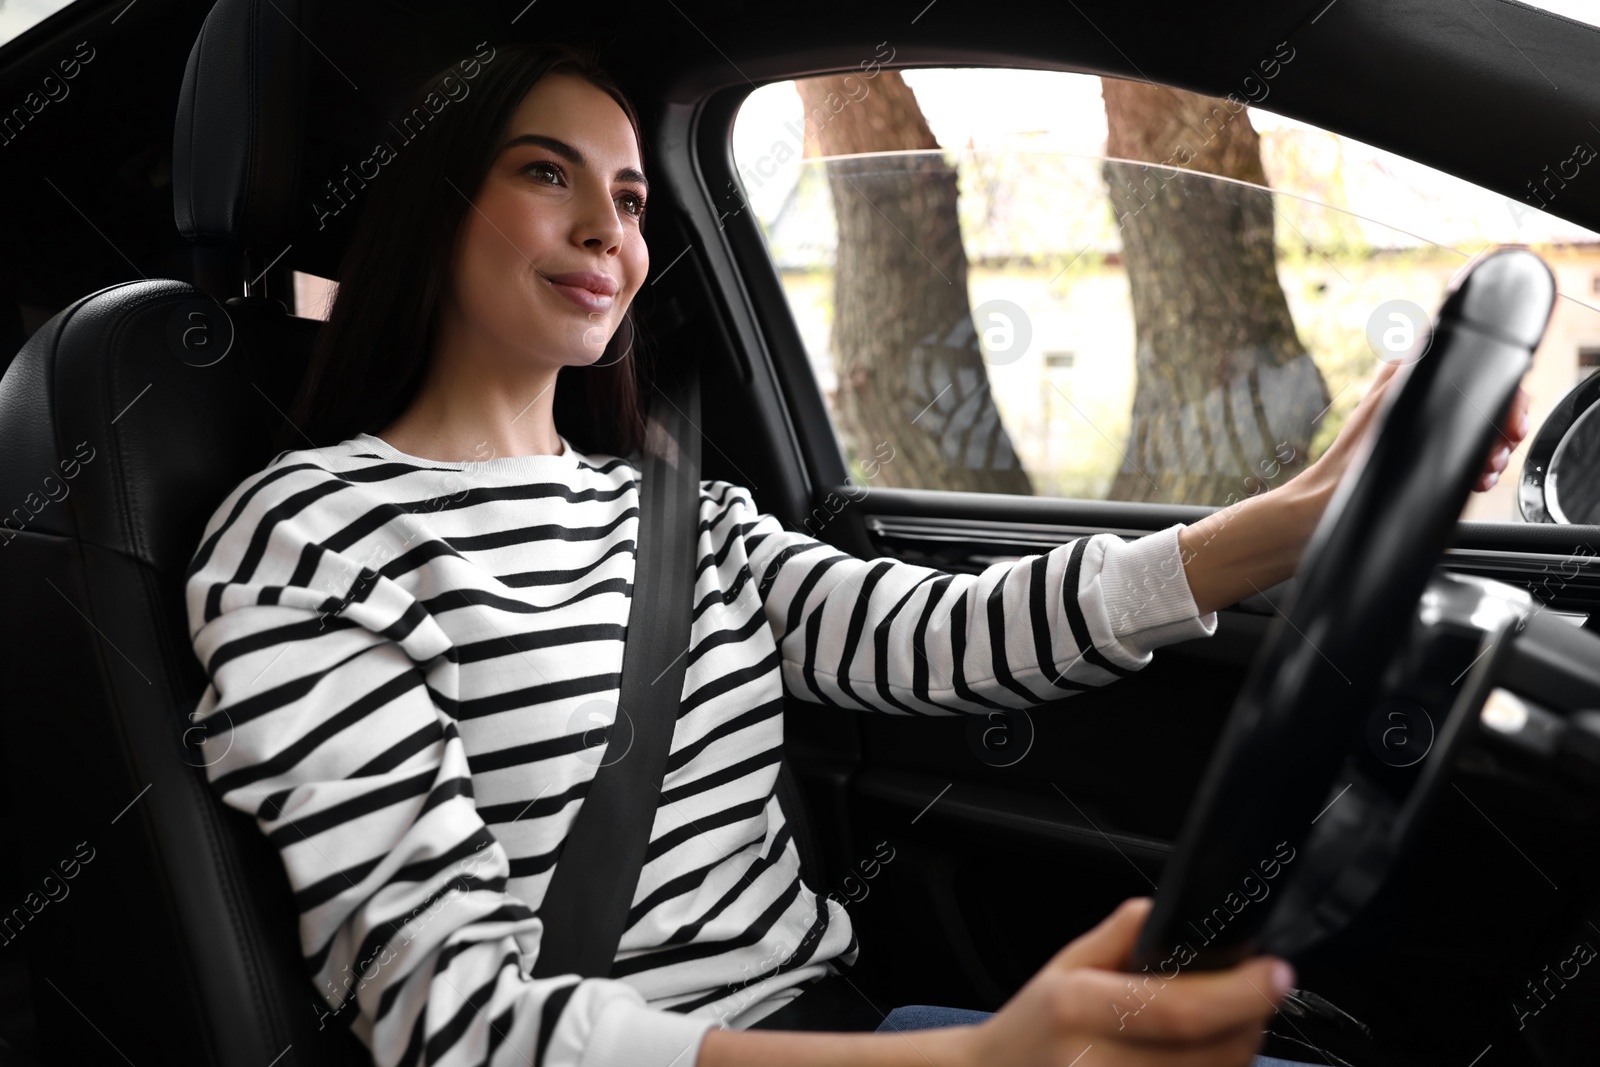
571 155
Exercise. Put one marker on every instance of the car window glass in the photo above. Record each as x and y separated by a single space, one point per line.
313 295
1000 290
19 16
1579 10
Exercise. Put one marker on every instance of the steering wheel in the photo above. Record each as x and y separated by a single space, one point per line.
1300 816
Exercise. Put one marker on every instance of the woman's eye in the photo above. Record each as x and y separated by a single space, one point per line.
632 203
539 170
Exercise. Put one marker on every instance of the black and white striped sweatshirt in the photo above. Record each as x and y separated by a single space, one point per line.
403 657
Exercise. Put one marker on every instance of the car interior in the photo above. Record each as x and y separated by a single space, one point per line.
151 341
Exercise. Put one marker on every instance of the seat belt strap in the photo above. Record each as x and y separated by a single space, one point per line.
585 907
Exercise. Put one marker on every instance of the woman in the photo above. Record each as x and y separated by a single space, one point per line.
451 576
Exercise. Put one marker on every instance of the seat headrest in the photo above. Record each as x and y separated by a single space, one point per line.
237 138
281 98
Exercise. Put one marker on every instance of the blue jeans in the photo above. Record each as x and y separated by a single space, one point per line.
928 1017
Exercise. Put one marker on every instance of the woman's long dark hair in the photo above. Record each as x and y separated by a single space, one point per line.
371 356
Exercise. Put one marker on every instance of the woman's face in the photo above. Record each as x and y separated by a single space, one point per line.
550 255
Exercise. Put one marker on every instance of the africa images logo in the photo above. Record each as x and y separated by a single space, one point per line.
451 89
1253 889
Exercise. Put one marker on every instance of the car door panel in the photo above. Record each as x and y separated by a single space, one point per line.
997 866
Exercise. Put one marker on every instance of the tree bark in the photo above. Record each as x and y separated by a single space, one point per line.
1226 396
911 372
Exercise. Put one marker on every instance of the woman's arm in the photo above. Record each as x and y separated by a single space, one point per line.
892 636
1248 546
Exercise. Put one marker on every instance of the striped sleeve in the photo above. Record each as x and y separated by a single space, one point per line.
892 636
326 718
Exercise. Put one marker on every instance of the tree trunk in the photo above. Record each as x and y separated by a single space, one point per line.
1226 396
911 372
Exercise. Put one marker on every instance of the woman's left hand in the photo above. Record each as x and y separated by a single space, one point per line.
1330 466
1258 542
1513 434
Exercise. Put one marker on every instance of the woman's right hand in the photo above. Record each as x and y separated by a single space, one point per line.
1081 1009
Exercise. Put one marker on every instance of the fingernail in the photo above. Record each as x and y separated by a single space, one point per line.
1282 977
1495 477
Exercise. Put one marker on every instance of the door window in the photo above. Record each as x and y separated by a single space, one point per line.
1055 284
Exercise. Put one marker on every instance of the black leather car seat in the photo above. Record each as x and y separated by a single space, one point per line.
157 923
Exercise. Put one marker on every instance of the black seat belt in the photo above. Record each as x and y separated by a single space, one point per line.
585 907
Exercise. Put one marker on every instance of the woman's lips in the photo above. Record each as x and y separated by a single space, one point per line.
586 298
